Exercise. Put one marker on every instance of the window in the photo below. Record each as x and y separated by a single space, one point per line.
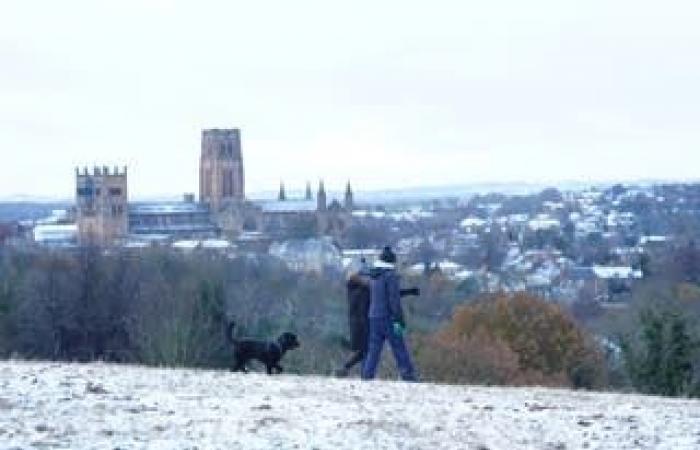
207 183
115 191
228 183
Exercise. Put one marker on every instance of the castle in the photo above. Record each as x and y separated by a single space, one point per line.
104 216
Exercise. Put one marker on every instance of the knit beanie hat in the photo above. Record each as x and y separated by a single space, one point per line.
387 256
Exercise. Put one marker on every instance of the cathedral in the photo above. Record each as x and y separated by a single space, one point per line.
105 217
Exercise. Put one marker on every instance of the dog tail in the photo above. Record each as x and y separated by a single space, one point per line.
229 332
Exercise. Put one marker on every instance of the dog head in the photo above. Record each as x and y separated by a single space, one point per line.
288 341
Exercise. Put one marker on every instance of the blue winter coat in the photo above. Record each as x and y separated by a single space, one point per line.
385 295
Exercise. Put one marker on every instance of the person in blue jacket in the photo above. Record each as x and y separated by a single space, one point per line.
386 318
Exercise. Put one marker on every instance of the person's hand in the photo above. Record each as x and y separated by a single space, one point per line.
398 328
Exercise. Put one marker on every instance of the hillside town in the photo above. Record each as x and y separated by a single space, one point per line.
565 246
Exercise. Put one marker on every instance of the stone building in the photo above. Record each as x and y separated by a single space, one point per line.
101 205
221 175
104 217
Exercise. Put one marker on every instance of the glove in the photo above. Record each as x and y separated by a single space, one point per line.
398 329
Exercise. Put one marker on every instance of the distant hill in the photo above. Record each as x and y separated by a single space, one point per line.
60 405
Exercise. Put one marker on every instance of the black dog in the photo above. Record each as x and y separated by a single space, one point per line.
267 352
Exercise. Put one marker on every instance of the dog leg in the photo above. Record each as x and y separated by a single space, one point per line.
239 366
269 370
279 368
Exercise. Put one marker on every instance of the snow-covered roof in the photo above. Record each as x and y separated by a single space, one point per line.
250 236
136 244
186 244
449 265
57 215
518 218
167 208
464 274
210 244
537 280
360 252
215 244
611 272
373 214
412 215
653 239
553 205
50 233
288 206
472 222
542 223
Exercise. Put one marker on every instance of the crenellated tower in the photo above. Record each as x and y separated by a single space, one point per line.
102 205
221 175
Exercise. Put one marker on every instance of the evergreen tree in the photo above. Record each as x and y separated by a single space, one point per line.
662 361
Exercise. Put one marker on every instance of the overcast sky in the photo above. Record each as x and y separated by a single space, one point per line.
387 94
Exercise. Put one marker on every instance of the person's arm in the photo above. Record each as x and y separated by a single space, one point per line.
394 294
410 291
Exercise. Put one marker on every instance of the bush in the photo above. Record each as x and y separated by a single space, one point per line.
518 340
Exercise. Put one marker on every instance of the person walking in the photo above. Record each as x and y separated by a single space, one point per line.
358 316
358 298
386 318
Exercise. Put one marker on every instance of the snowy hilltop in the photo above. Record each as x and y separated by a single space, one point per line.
104 406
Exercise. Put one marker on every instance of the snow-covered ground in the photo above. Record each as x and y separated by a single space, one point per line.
102 406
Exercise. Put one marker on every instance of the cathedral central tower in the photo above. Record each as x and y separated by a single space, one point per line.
221 176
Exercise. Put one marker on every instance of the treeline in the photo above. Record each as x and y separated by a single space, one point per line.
160 307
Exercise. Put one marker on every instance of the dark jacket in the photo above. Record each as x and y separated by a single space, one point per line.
358 311
385 295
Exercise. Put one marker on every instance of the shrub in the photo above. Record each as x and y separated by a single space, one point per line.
516 339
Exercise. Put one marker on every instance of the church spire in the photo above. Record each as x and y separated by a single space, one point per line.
349 200
282 195
321 197
309 195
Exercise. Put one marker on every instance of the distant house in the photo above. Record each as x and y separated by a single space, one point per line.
56 235
616 272
544 222
471 224
308 255
653 240
204 244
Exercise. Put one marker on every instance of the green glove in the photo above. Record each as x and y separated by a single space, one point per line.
398 329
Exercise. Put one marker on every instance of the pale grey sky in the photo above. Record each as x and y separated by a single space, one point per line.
385 93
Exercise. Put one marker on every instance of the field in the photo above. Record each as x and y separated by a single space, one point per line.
103 406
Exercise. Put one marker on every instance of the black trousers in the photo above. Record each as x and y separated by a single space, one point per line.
356 358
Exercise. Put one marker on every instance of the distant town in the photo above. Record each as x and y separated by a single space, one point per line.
563 245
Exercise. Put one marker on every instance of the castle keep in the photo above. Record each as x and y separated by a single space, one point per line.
104 216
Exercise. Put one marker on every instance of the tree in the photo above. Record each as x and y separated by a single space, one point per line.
660 360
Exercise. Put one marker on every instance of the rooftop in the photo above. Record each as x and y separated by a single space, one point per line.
288 206
167 208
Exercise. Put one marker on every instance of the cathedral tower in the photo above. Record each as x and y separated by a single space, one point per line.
101 203
221 176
